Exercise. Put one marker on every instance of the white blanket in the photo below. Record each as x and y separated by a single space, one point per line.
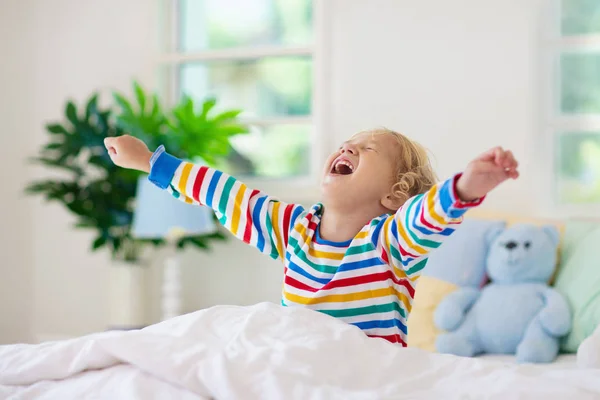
267 352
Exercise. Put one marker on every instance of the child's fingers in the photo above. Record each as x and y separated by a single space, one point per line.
506 159
513 173
510 165
111 145
500 156
496 158
510 161
489 155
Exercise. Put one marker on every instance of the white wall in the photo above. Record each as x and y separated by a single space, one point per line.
51 51
16 88
80 46
458 76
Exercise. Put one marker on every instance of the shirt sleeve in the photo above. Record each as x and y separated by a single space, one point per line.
404 239
257 219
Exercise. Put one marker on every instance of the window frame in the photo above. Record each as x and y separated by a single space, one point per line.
554 45
297 189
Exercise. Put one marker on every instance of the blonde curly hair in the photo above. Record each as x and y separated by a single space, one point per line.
414 173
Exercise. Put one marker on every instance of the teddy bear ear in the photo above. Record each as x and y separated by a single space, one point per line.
552 233
492 234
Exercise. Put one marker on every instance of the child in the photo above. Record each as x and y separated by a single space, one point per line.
356 256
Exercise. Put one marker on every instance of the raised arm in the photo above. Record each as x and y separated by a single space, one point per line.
420 226
424 221
252 216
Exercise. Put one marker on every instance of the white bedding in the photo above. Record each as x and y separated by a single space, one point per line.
268 352
563 361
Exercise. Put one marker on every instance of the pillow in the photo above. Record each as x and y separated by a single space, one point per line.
461 258
422 331
578 280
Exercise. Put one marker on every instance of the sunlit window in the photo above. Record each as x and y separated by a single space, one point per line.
255 55
576 121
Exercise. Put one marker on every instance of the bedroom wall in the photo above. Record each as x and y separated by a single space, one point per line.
459 76
16 290
50 284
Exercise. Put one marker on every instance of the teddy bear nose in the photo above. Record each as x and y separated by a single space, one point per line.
510 245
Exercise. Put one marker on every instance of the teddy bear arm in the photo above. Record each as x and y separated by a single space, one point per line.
555 317
451 311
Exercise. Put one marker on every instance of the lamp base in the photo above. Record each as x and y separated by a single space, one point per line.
171 288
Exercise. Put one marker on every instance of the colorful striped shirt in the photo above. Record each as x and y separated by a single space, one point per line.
368 281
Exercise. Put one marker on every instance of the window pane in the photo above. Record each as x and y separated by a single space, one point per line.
580 17
218 24
580 83
578 167
276 151
273 86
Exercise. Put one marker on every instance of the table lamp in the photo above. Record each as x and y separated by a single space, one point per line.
158 215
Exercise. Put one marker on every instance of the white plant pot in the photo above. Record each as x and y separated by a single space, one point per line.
127 295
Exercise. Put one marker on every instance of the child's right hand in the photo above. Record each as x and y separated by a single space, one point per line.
129 152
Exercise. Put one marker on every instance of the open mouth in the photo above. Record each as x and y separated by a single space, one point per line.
342 166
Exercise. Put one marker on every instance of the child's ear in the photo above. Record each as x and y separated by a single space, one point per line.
393 201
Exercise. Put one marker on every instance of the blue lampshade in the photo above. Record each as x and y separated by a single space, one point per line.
157 214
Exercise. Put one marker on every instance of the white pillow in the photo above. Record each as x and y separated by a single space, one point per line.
588 353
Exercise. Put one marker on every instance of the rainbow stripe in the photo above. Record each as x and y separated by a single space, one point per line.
368 281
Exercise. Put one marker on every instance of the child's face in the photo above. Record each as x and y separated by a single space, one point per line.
362 172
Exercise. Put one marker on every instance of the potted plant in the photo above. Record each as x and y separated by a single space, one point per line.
101 195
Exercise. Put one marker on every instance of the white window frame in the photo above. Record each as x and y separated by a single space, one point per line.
299 189
553 122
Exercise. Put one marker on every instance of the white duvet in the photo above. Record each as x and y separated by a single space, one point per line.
267 352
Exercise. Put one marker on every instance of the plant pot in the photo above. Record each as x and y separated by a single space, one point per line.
127 295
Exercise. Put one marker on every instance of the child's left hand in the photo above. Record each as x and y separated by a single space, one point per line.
485 173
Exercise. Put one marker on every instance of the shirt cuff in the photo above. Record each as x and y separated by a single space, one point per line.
452 205
458 202
157 153
162 168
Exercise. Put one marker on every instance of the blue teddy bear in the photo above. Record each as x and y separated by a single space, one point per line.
517 313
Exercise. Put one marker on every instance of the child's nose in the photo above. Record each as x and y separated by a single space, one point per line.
348 148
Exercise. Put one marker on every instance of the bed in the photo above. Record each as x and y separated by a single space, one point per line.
563 361
267 351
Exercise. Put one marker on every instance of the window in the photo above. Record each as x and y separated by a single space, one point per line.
258 56
574 120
